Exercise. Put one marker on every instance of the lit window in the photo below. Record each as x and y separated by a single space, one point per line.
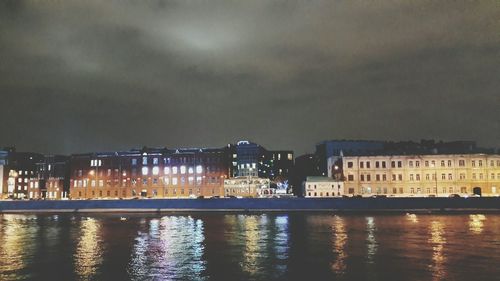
174 170
174 181
144 160
190 170
199 169
145 171
156 171
290 156
166 170
183 169
155 161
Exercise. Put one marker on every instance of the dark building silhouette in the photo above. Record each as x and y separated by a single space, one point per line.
305 165
52 178
16 171
254 160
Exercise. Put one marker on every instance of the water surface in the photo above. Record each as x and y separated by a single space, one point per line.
293 246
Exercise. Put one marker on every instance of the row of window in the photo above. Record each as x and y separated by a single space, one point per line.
314 186
418 190
320 194
156 171
416 164
428 177
145 181
155 160
109 193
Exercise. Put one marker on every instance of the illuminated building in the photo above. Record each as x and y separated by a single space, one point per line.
251 159
51 179
247 187
422 175
16 171
152 173
317 187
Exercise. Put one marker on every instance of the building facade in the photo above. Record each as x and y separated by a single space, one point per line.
151 173
16 170
335 148
437 175
247 187
251 159
323 187
51 180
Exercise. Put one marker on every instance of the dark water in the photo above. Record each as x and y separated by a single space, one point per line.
250 247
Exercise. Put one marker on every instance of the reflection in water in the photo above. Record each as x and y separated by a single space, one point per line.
281 243
88 255
339 244
171 248
412 218
250 247
370 239
252 250
281 246
437 241
14 247
476 223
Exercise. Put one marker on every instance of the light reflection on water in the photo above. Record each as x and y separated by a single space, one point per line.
170 248
438 242
251 247
339 245
88 253
371 241
476 223
13 256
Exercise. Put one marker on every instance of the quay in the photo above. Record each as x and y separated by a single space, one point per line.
471 204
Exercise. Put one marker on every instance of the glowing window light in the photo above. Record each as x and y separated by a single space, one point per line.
145 171
166 170
183 169
190 170
174 170
156 171
199 169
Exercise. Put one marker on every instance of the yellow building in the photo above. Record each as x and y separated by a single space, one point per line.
422 175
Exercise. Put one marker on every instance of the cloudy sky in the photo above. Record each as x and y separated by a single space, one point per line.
78 76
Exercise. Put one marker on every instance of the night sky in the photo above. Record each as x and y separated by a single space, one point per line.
79 76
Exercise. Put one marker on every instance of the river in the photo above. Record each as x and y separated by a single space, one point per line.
264 246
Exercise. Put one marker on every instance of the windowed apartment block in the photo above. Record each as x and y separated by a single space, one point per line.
422 175
150 173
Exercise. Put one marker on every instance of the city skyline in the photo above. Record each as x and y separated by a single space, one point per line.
91 76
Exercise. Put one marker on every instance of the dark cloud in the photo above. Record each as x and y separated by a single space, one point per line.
105 75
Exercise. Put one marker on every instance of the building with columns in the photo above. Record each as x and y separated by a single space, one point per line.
438 175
